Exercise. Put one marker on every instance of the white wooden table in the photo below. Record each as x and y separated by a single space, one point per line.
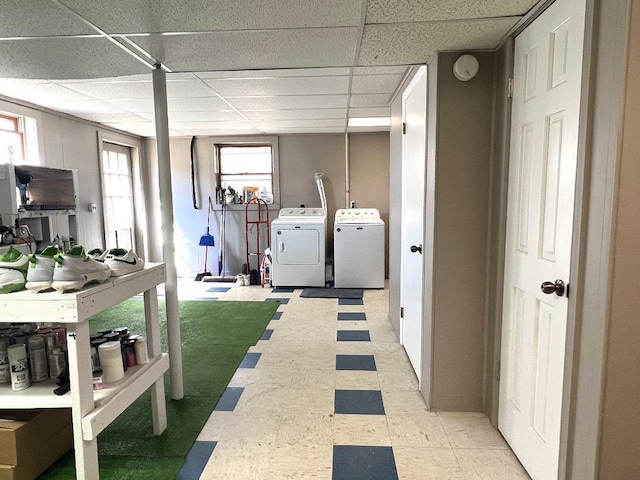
92 411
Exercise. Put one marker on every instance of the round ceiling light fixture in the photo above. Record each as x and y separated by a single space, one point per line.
466 67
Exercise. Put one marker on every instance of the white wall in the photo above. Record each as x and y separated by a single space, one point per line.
394 224
66 142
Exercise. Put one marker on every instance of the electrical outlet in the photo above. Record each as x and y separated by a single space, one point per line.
93 208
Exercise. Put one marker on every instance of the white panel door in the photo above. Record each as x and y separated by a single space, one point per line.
414 115
544 132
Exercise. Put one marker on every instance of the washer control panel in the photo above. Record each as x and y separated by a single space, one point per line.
357 215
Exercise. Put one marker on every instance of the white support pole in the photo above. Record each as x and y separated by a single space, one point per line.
347 172
168 248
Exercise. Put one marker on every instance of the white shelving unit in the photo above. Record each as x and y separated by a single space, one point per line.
92 411
49 188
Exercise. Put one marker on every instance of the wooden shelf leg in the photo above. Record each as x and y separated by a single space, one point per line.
152 323
86 452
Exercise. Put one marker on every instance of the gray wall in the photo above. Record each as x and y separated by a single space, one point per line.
461 227
457 218
301 156
503 70
369 177
620 441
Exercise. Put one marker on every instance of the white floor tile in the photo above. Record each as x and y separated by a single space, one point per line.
284 426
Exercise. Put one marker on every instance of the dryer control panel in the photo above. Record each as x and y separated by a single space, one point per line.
301 212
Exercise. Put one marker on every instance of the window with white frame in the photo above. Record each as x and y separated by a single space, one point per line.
247 168
118 196
18 139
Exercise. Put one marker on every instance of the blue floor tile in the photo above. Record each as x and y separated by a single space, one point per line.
229 399
352 316
353 336
276 316
370 463
282 301
196 460
350 301
282 290
218 289
359 402
266 335
250 360
356 362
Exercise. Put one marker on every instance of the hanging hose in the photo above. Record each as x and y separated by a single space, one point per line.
193 173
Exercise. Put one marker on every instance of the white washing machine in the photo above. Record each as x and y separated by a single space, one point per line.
298 248
358 248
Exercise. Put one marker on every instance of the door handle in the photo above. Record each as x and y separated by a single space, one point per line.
556 287
416 248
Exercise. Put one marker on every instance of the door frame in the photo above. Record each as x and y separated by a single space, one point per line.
606 32
139 187
417 73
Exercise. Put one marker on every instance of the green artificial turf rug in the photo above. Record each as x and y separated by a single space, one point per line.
215 337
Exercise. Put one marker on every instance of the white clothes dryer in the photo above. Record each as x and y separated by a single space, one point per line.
298 248
358 248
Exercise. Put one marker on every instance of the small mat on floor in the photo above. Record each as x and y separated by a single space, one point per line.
332 293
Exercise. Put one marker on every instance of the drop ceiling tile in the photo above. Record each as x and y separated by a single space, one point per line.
280 86
139 105
326 47
116 89
46 94
205 116
289 102
370 100
400 70
199 104
268 115
213 133
375 83
369 112
142 77
317 123
113 89
35 18
417 43
367 129
284 72
89 106
397 11
121 117
131 16
300 130
64 58
143 129
211 125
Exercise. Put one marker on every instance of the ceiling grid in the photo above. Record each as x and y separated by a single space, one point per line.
239 66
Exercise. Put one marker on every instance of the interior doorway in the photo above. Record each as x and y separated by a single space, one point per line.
540 207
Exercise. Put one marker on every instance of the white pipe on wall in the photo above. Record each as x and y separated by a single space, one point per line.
347 179
168 248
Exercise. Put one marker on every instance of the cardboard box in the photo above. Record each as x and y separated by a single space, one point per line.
32 440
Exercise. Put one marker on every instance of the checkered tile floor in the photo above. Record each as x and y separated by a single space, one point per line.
328 393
